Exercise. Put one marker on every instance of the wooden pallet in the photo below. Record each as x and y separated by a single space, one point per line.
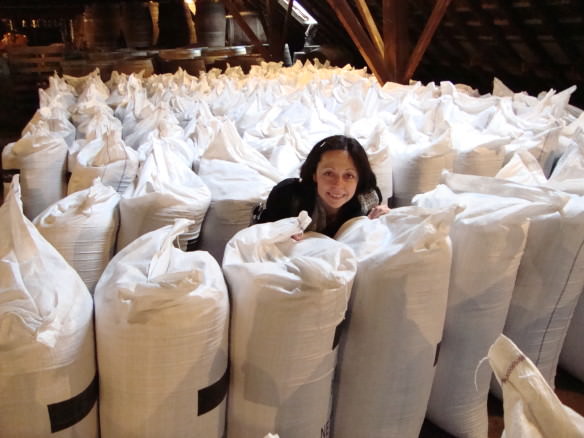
30 68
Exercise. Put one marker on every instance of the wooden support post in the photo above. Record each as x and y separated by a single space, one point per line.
360 38
438 12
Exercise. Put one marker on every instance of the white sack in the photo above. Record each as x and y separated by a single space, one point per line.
10 167
488 239
108 158
165 189
162 324
531 409
235 191
417 168
43 160
83 227
572 355
288 299
48 380
550 277
394 325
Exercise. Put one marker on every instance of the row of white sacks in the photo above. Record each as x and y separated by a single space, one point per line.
425 291
157 180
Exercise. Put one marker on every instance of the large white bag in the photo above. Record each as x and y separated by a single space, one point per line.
162 324
108 158
48 380
83 227
235 191
550 277
531 409
165 189
43 161
394 324
288 300
572 355
488 240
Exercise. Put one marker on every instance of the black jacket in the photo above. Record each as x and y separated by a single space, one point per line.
290 196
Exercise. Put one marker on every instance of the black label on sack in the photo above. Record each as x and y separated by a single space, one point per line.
70 412
212 396
325 431
437 353
339 332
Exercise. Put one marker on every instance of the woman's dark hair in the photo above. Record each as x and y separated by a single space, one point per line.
367 180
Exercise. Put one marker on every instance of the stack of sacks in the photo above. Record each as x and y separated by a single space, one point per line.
288 300
171 137
488 239
550 277
377 142
239 177
131 104
47 349
394 325
531 409
55 114
106 157
417 167
83 227
42 159
165 189
162 326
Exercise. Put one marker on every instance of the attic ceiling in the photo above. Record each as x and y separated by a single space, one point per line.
531 45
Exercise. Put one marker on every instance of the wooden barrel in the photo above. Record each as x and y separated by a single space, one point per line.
137 24
236 36
210 23
102 25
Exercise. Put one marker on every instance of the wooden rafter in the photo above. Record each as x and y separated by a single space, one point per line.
438 12
360 38
370 25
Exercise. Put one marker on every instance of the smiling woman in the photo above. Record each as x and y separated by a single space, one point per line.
336 184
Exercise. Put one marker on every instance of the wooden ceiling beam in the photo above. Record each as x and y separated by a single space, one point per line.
360 38
395 34
440 8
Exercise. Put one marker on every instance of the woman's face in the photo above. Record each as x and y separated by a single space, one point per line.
336 179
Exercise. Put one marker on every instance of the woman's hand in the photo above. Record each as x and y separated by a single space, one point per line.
298 236
378 211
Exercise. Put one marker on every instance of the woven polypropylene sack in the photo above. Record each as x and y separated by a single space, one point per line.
48 380
235 191
488 239
394 324
83 227
531 409
572 355
288 299
162 324
165 189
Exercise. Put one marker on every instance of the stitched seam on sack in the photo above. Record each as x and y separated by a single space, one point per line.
552 314
513 365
